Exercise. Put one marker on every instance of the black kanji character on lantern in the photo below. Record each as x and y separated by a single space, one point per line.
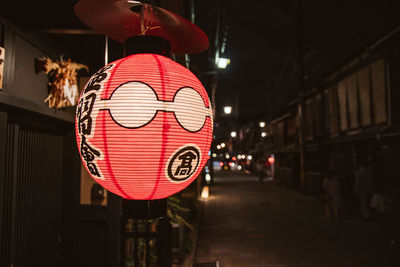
186 164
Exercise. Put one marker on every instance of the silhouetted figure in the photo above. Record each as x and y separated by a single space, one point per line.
364 187
260 167
331 195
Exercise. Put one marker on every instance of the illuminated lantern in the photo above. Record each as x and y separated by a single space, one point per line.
144 127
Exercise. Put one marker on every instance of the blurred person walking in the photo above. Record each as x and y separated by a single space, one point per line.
364 187
260 168
331 195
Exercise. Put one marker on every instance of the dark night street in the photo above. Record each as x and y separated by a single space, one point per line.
134 133
245 223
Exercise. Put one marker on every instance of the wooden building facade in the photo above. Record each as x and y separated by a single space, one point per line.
349 114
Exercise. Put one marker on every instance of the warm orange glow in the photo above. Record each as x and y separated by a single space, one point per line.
205 193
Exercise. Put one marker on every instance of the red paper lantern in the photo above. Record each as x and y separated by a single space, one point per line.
144 127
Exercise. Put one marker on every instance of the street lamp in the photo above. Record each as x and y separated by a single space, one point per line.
262 124
222 63
233 134
263 134
227 110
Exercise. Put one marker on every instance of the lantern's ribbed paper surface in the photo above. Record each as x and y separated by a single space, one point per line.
144 127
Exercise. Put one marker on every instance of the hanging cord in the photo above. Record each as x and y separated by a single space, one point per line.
148 25
106 51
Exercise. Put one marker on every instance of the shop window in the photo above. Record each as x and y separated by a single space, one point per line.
351 84
379 91
364 89
342 95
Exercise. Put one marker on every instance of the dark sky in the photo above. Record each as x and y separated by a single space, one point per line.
263 47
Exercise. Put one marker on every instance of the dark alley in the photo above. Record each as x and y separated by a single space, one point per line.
246 223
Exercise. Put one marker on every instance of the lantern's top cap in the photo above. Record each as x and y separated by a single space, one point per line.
121 19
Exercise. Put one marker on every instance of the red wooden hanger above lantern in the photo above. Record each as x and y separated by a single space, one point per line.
121 19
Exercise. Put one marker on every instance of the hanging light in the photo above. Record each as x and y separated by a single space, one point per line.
144 127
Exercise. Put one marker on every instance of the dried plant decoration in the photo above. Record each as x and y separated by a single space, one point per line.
63 85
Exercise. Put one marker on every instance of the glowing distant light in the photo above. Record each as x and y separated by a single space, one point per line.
205 193
226 168
221 163
233 134
263 134
214 155
218 147
222 144
271 160
207 177
234 158
222 63
249 157
227 109
227 156
262 124
239 167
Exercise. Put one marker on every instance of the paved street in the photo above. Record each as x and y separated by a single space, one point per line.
245 223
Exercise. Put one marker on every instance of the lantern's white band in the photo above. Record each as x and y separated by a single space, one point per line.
134 104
